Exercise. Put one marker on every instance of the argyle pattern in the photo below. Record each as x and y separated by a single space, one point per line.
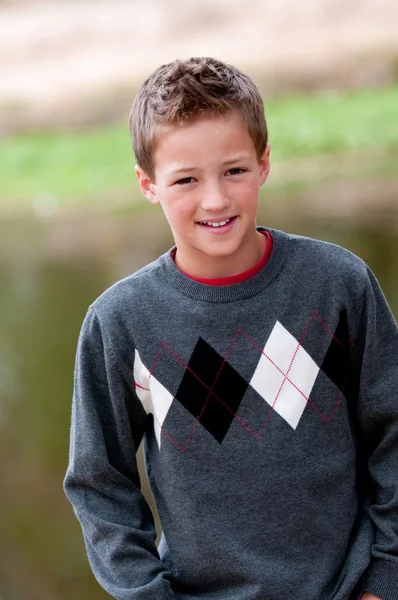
212 390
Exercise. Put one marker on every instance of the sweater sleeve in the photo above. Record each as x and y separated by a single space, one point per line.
378 422
102 480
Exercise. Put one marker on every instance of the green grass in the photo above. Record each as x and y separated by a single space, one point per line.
307 125
66 165
85 166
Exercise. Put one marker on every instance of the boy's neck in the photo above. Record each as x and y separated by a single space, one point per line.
210 268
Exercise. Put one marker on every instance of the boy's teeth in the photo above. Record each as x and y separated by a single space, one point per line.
219 224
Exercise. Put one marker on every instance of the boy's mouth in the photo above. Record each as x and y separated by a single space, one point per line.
216 224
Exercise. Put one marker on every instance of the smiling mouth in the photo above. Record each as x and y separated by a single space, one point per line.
216 223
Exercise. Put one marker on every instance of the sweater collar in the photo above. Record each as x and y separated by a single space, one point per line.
236 291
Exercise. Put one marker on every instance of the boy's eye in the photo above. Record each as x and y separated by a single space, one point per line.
236 171
184 180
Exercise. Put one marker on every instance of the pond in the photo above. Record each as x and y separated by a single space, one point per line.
51 269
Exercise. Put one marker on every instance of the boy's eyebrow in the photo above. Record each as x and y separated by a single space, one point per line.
181 170
236 158
231 160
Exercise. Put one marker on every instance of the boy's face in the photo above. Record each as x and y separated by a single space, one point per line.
207 173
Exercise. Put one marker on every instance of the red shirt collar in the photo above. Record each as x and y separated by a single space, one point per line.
240 277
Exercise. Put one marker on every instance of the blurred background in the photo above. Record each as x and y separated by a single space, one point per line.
72 221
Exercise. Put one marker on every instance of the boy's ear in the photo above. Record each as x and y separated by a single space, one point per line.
146 186
265 165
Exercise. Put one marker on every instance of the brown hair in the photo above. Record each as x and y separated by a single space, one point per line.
186 89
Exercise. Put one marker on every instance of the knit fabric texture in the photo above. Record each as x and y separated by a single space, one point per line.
268 410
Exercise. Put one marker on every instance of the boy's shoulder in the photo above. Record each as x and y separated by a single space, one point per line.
128 291
327 259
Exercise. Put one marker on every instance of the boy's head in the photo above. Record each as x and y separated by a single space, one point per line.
200 141
185 90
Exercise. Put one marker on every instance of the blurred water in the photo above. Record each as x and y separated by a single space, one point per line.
50 271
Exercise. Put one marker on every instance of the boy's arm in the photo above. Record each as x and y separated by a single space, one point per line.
102 480
377 416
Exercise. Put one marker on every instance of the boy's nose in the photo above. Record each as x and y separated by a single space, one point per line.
214 198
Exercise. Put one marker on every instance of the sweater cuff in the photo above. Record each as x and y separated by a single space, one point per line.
381 579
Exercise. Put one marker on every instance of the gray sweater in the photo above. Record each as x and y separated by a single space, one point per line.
268 410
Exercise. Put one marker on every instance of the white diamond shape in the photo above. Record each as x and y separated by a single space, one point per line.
153 395
270 373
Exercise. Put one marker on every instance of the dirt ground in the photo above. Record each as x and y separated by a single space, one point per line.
80 62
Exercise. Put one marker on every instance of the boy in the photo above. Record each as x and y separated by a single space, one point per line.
260 369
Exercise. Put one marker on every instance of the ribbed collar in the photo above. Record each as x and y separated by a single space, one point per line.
236 291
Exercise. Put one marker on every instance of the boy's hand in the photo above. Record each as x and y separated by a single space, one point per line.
368 596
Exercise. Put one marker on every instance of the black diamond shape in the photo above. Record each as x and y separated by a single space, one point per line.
204 375
336 361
